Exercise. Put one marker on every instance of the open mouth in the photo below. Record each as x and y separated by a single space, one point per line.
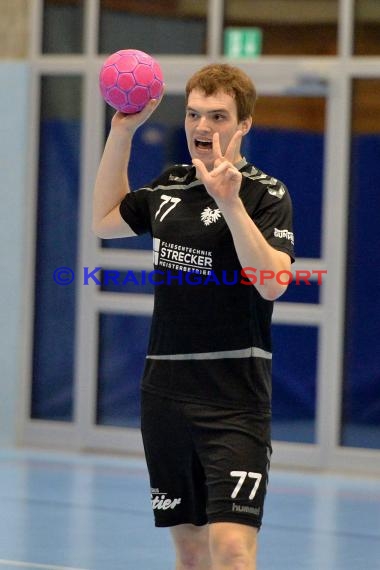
203 144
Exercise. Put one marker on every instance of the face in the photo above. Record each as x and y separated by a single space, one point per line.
206 115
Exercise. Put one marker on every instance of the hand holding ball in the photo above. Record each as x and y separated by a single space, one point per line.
129 79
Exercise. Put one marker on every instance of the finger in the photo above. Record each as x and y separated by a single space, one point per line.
157 100
202 172
233 174
222 168
135 120
233 146
228 171
216 146
149 108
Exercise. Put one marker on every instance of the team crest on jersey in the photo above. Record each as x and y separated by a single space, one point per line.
210 216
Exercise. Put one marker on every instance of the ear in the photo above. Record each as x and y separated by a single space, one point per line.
245 125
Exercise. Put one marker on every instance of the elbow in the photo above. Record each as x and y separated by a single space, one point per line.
271 292
96 228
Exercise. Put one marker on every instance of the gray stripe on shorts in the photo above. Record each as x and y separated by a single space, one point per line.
253 351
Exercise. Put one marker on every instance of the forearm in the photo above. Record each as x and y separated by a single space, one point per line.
111 183
253 250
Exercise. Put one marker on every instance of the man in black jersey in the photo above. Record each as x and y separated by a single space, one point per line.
206 388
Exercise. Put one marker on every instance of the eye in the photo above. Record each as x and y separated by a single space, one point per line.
191 114
219 117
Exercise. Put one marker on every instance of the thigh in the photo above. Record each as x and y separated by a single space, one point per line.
177 479
234 449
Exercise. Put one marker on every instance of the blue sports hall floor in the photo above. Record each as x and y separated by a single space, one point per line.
86 512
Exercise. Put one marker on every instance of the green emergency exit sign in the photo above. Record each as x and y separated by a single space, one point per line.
243 42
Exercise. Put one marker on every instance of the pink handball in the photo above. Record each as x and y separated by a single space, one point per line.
129 79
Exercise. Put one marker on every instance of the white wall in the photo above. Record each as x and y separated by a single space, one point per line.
13 152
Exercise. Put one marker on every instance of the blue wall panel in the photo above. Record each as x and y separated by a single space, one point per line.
123 341
57 229
361 405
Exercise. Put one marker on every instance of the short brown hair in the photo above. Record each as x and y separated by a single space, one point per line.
222 77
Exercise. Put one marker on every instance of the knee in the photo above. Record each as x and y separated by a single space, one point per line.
192 552
233 550
189 556
231 553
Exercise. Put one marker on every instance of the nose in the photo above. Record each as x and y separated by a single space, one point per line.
203 124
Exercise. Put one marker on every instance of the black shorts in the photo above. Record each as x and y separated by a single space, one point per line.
206 464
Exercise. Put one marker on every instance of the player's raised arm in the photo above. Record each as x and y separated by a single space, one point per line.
131 82
111 183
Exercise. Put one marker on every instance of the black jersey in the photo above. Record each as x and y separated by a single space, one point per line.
210 334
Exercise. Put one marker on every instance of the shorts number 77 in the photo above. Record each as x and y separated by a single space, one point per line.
242 477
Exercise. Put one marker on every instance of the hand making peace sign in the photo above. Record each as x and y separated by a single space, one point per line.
224 180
